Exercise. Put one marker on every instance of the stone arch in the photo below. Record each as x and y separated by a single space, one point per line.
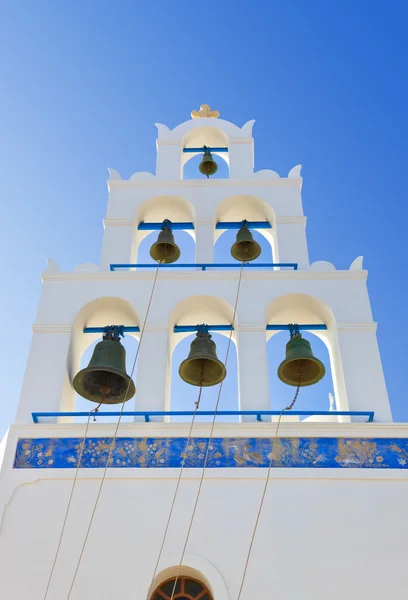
192 311
193 566
155 210
96 313
251 208
206 135
303 308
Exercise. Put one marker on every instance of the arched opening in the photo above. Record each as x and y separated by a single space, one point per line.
181 395
186 588
301 308
155 210
212 137
240 207
98 313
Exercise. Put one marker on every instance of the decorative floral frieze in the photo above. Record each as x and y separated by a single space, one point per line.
333 453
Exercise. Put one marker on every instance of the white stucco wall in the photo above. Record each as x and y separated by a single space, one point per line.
323 532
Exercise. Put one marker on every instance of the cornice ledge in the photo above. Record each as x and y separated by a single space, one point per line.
177 274
252 327
291 220
118 223
159 183
156 328
345 326
52 328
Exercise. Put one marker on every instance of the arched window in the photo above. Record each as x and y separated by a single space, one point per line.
186 589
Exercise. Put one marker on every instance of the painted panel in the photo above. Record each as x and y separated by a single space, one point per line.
63 453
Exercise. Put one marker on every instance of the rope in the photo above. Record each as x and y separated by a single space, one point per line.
197 404
114 435
289 407
209 440
82 446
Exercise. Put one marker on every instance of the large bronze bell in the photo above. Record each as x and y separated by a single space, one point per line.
165 250
245 248
208 166
105 379
300 367
202 367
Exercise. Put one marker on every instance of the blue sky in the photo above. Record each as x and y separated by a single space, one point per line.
82 84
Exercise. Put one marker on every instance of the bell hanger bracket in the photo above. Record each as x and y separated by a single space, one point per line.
201 329
239 224
113 332
296 328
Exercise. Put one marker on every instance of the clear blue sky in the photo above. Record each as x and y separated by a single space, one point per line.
82 84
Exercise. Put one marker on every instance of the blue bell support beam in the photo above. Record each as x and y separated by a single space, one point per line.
301 327
202 149
238 224
201 413
102 329
194 328
158 226
186 226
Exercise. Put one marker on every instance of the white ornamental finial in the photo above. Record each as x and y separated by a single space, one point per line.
204 112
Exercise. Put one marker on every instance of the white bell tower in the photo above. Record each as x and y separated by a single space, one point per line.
86 508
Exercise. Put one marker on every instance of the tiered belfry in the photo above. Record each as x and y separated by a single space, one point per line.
269 505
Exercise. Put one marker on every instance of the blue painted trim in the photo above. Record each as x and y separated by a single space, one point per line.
317 327
194 328
134 452
238 225
102 329
189 413
158 226
203 266
190 150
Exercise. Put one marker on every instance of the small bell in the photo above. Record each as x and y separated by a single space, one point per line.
165 250
245 248
202 367
105 380
208 166
300 367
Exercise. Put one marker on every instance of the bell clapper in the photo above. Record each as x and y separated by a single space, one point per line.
197 402
97 408
300 376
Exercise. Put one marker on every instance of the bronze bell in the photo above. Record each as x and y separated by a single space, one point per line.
202 367
208 166
105 379
165 250
245 248
300 367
